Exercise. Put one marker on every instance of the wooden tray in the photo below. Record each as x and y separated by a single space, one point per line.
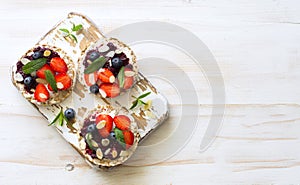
146 121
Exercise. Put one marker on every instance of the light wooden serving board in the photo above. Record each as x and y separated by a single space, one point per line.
82 101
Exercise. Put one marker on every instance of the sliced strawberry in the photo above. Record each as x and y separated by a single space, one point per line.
128 138
128 82
128 72
106 76
63 81
122 122
90 79
58 65
109 90
41 93
41 72
105 123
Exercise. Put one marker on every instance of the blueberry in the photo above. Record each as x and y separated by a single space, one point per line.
94 55
28 81
113 135
70 113
116 62
94 89
37 54
91 128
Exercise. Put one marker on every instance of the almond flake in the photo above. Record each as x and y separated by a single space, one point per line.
94 143
41 81
101 70
103 48
105 142
114 153
107 151
110 54
42 95
25 61
19 77
99 153
118 51
89 62
123 153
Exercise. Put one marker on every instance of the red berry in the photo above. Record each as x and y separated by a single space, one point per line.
108 121
128 82
58 65
109 90
63 81
41 93
128 138
122 122
41 72
106 76
90 79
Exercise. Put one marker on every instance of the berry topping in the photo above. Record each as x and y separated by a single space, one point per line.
94 89
128 138
63 81
128 82
91 128
37 54
93 55
104 123
41 93
109 90
58 65
105 75
91 78
116 62
41 72
28 81
122 122
70 113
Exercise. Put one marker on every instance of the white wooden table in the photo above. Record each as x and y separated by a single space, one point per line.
256 45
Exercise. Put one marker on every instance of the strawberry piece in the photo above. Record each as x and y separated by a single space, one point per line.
63 81
90 79
41 72
109 90
41 93
128 82
106 76
108 121
122 122
58 65
128 138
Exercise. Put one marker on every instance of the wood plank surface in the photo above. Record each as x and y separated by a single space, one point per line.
256 45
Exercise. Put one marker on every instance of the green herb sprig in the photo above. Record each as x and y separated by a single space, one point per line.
97 64
34 65
70 34
139 101
60 117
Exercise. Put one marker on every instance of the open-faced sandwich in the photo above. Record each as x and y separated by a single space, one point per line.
44 75
108 68
108 138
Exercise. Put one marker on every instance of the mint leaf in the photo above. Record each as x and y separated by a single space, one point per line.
64 30
121 77
134 104
88 138
77 28
56 118
120 136
51 80
97 64
144 95
34 65
73 37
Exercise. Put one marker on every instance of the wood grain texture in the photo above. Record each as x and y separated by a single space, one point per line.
256 45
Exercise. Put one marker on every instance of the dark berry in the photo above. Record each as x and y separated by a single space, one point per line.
116 62
28 81
94 55
37 55
70 113
113 135
94 89
91 128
